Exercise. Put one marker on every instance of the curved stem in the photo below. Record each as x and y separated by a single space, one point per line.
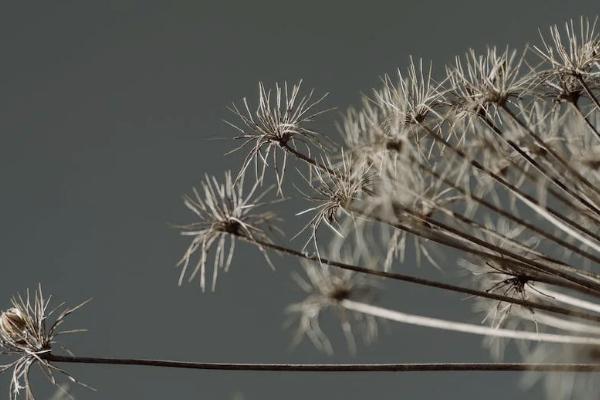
287 367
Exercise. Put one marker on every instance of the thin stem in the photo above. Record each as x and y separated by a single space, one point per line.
585 118
287 367
566 202
578 282
547 148
443 324
589 92
508 215
504 252
524 197
581 282
308 159
424 282
479 227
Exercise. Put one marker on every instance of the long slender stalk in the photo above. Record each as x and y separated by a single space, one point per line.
443 324
482 228
585 119
288 367
589 92
508 215
560 197
524 197
568 166
543 277
425 282
504 252
572 301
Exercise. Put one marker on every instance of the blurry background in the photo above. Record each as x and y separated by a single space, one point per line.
105 115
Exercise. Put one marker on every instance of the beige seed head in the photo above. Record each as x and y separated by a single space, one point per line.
13 323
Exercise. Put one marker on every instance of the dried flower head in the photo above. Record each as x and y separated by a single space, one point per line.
484 81
335 187
325 288
280 121
224 211
27 335
414 96
575 55
507 280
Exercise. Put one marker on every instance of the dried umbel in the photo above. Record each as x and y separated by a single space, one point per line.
334 188
28 332
415 96
574 55
325 289
224 212
483 82
281 121
497 159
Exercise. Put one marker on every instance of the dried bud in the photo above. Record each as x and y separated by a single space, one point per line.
12 324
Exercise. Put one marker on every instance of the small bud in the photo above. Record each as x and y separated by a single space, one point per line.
12 324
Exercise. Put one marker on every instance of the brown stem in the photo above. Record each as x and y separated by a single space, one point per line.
585 118
566 202
579 282
510 216
547 148
423 281
509 186
307 159
283 367
589 92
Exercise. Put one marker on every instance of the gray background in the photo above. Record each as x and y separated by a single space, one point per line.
105 112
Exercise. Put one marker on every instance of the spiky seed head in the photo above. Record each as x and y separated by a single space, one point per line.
334 187
225 212
281 119
576 53
413 97
27 334
481 82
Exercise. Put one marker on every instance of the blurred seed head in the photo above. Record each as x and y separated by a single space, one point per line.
564 385
325 288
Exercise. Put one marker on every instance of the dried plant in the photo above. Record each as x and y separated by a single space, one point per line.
28 332
497 160
224 212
